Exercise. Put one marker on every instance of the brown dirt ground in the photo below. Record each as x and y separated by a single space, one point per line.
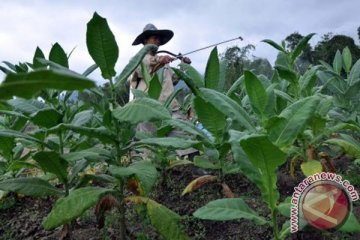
23 219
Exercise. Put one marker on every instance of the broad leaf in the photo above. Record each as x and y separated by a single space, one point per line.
212 71
228 209
26 106
190 82
189 127
82 118
202 162
92 154
311 167
229 108
354 75
46 117
256 92
38 54
242 160
101 133
73 206
267 157
8 133
102 45
287 74
351 225
145 172
154 87
285 207
141 110
134 63
198 183
193 74
168 142
27 85
337 63
58 55
53 163
212 119
35 187
347 59
163 219
350 145
284 129
300 46
274 45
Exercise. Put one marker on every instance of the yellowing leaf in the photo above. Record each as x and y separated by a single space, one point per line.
197 183
311 167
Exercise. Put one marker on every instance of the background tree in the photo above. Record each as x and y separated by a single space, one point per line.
326 49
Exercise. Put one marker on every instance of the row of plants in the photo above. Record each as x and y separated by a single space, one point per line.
51 146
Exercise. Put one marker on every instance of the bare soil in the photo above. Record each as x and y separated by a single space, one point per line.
23 216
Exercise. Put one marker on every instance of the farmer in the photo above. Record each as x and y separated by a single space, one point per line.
154 62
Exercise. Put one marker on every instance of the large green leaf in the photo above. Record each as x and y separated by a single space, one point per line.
190 82
27 85
101 133
134 63
354 75
193 74
212 119
300 46
155 87
274 45
287 74
351 225
92 154
141 110
333 129
38 54
256 93
267 157
6 148
187 126
144 171
58 55
168 142
228 209
26 106
102 45
8 133
337 63
212 71
52 162
73 206
347 59
163 219
46 117
349 144
35 187
242 160
228 107
284 129
308 80
333 82
82 118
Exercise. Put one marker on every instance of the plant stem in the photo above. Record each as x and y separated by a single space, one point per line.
121 209
274 221
61 142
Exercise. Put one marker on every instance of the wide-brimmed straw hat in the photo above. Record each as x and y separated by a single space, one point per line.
150 30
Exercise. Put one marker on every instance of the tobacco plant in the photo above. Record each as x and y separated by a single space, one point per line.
263 127
71 138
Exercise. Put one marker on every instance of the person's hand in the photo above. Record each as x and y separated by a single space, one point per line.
186 60
165 59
